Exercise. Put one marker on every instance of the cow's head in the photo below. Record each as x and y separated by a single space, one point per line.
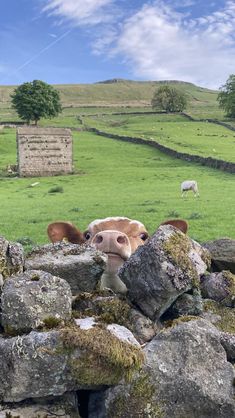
117 237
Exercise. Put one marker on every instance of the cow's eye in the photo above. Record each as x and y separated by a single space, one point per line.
87 235
144 236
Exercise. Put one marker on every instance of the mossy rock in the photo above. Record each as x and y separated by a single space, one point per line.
226 320
137 401
178 247
104 359
106 308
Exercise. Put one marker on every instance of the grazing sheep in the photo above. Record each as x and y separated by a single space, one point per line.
189 185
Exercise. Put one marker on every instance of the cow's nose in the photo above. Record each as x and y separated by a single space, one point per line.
110 240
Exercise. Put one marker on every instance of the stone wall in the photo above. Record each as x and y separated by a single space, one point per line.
207 161
44 151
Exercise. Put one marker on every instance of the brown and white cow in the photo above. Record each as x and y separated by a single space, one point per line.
118 237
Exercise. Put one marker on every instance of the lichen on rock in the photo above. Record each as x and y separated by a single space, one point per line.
11 258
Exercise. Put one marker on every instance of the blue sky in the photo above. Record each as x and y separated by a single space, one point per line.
85 41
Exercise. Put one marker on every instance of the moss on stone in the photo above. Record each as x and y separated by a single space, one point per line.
226 323
35 278
230 286
11 331
180 320
138 402
51 322
178 247
104 358
108 309
206 257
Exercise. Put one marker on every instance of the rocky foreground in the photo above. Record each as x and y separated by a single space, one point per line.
165 350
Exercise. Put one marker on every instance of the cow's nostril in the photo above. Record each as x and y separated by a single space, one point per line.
98 239
121 239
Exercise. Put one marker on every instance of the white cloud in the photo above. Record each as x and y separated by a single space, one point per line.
161 44
80 12
158 42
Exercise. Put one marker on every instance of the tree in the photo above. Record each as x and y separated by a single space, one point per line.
226 97
35 100
169 99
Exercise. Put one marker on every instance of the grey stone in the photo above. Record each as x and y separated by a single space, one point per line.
31 298
142 327
80 265
122 333
11 258
51 363
222 254
161 270
187 304
186 374
219 287
65 406
222 317
228 342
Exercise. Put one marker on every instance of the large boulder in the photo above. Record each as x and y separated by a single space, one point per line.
168 265
82 266
186 374
11 259
34 299
78 356
222 254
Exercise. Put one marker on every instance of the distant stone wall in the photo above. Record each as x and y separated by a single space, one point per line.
44 151
207 161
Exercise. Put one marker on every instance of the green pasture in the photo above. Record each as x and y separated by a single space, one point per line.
174 131
114 178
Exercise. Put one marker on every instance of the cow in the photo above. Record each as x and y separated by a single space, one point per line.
117 237
189 185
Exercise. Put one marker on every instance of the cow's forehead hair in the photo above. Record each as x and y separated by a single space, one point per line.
115 219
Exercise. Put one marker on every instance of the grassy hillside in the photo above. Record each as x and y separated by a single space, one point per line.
114 179
124 93
172 130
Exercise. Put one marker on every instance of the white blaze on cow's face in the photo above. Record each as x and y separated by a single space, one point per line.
117 237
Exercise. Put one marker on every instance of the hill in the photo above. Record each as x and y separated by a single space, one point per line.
118 92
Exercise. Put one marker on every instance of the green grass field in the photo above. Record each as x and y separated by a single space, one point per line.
114 178
174 131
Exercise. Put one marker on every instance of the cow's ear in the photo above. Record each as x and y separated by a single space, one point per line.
58 231
178 223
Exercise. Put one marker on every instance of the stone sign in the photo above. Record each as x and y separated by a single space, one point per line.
44 151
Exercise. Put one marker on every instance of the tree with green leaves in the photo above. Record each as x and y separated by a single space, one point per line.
35 100
169 99
226 97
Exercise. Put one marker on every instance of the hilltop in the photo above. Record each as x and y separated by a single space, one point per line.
118 92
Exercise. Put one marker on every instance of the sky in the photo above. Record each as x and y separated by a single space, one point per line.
86 41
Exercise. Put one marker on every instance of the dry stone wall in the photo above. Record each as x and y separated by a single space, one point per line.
44 151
